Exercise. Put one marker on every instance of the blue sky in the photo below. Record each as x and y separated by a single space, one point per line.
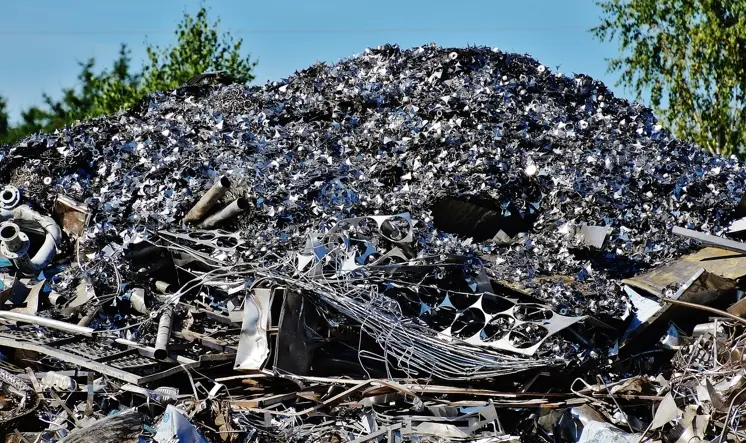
42 40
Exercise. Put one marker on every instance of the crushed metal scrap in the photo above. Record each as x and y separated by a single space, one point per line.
421 245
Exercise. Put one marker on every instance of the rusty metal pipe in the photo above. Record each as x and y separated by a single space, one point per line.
208 200
234 209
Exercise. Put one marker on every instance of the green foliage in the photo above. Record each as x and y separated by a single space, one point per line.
199 48
4 119
690 57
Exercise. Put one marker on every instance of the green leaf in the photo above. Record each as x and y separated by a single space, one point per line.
198 47
689 58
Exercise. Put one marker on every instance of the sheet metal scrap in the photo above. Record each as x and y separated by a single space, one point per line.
131 364
728 265
409 245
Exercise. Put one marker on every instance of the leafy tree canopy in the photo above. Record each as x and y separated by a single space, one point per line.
199 47
690 57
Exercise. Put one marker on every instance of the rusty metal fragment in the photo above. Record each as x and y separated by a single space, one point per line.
73 216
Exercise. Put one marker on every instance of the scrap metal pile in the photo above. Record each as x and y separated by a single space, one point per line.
421 245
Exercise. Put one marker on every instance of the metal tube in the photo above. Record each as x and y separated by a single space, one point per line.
47 323
164 334
46 252
208 200
238 207
57 299
88 317
10 236
137 301
164 287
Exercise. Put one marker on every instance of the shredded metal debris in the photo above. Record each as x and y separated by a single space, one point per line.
422 245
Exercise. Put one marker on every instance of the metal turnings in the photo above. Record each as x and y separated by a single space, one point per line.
427 244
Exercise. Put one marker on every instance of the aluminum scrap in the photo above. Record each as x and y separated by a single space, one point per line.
372 243
396 130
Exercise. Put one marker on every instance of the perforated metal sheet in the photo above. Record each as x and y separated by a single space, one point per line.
103 356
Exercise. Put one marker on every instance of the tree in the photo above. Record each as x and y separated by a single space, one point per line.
689 56
4 119
199 47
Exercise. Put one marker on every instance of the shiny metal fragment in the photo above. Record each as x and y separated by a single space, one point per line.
253 347
47 323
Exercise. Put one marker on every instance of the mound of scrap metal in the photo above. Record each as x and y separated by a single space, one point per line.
422 245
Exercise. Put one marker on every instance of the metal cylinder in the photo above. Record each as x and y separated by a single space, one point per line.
47 323
164 334
137 301
234 209
10 235
89 316
164 287
57 299
208 200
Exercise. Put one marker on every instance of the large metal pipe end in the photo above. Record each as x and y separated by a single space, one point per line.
56 299
224 182
238 207
163 287
10 197
13 242
203 206
137 301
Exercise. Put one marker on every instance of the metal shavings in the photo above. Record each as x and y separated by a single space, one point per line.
402 197
374 134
